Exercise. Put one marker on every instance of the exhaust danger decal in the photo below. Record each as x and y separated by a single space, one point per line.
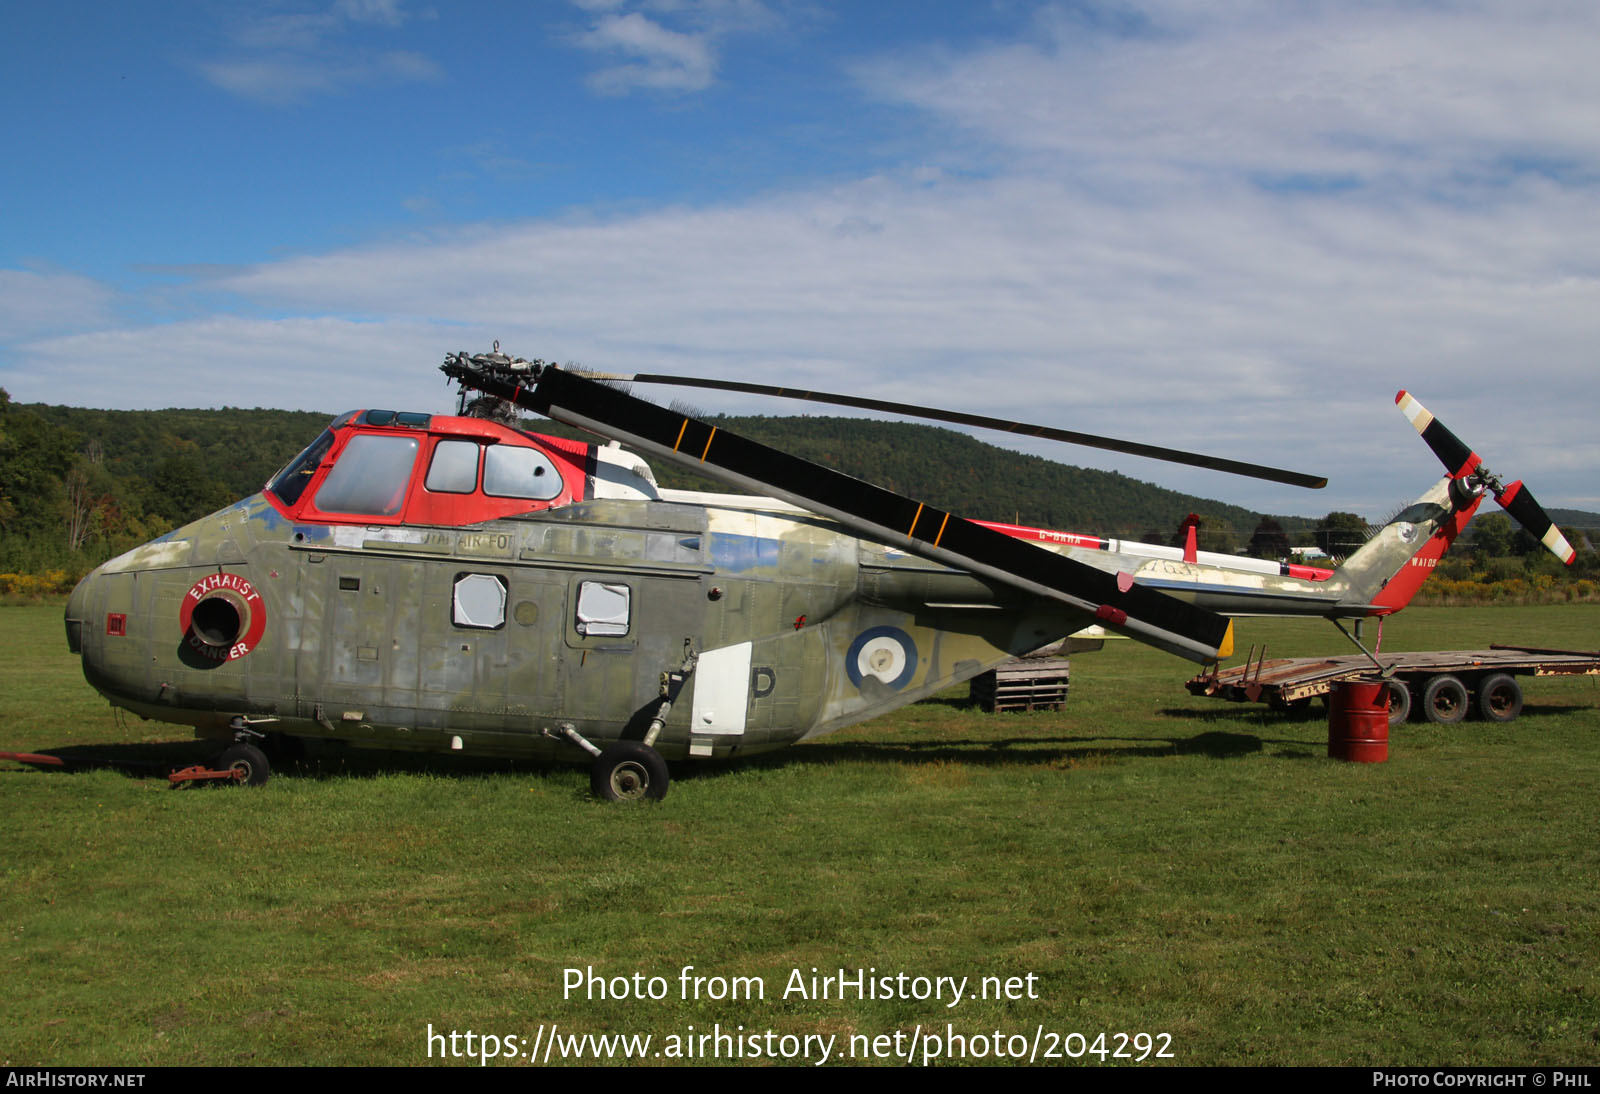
222 616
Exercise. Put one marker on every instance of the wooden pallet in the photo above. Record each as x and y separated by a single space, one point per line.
1025 684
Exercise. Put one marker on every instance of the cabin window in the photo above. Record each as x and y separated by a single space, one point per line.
370 477
513 472
454 469
603 609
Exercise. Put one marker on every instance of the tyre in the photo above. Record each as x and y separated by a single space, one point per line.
629 771
1444 700
1399 702
247 761
1499 698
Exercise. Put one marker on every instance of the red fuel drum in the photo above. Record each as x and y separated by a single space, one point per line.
1358 721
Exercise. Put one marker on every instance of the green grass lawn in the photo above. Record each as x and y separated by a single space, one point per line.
1159 863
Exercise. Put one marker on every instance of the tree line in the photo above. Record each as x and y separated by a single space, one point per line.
79 486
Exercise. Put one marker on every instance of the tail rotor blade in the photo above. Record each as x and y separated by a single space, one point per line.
1460 460
1518 501
1457 458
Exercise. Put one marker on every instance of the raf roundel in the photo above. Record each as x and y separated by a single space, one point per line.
887 654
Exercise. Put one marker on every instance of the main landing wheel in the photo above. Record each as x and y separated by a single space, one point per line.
247 761
629 771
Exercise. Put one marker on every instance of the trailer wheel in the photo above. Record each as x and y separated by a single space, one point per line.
1399 702
1444 700
1499 698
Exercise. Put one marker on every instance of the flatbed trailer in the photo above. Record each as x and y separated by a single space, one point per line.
1441 686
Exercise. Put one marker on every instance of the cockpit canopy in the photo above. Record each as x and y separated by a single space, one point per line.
387 467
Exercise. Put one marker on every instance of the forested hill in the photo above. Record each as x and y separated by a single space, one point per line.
226 453
78 485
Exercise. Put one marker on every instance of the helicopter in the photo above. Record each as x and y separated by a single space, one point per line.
453 583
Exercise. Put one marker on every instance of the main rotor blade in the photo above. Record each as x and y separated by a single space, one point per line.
1460 460
1112 599
1090 440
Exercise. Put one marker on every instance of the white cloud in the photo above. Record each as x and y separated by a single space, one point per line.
1218 326
659 59
34 304
280 81
1365 92
386 13
288 58
675 47
297 364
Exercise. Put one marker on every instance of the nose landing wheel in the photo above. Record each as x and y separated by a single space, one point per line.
246 761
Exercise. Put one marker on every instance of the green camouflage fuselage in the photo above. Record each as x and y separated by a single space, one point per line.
360 643
488 636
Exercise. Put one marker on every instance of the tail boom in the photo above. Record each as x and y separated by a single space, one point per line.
1397 591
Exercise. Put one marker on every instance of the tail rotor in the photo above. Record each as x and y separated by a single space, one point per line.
1466 466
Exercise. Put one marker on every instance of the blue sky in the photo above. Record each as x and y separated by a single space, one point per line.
1237 227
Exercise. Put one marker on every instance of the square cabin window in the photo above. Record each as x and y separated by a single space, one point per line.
479 600
603 608
454 469
513 472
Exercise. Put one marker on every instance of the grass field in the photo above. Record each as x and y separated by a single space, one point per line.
1158 864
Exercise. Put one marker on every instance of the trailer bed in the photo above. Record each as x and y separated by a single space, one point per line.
1440 685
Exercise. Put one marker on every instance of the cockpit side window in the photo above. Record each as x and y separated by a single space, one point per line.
454 468
510 471
371 476
287 485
